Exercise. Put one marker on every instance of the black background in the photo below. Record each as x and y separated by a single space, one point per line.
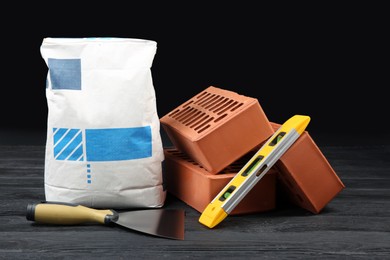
328 62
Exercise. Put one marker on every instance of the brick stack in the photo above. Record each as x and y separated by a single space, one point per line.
216 132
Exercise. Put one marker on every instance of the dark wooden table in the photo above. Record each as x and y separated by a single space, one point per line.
354 225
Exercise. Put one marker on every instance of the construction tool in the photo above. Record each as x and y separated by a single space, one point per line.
269 153
167 223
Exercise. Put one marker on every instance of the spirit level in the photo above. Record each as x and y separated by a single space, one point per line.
269 153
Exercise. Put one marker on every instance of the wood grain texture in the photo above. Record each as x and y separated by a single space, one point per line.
354 225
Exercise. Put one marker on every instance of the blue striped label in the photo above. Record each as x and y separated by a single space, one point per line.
68 144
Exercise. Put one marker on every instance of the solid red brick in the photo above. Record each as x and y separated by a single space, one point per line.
306 175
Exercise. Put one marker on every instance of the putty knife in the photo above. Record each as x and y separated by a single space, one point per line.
167 223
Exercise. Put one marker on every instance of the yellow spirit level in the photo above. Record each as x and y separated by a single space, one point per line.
253 170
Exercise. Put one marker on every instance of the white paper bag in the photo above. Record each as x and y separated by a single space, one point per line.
103 147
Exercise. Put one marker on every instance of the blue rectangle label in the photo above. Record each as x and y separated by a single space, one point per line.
65 73
115 144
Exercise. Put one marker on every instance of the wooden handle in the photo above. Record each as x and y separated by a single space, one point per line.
68 214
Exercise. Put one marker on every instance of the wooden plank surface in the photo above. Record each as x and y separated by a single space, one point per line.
354 225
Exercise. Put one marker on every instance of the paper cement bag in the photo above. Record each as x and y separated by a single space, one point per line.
103 147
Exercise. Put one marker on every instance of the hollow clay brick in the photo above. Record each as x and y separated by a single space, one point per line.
193 184
217 127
